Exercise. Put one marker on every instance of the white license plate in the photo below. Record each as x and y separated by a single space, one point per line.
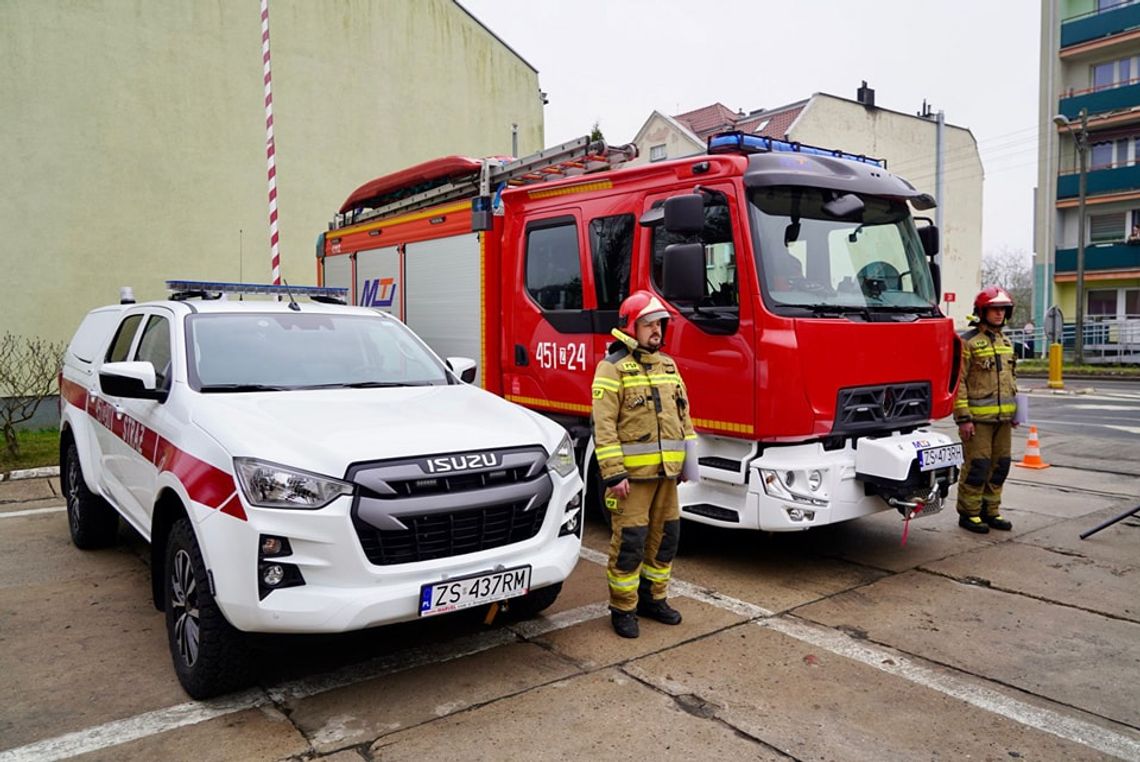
456 594
945 456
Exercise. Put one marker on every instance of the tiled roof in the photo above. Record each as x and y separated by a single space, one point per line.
710 119
775 122
719 118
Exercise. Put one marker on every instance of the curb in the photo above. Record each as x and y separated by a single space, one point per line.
30 473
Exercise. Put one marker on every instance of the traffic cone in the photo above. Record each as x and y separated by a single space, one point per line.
1032 458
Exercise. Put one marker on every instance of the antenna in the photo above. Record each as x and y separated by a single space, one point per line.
292 302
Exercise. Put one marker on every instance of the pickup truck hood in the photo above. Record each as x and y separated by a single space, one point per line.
326 430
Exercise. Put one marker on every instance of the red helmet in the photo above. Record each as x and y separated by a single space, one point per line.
640 305
993 296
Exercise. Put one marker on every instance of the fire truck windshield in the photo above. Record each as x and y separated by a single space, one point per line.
812 263
250 352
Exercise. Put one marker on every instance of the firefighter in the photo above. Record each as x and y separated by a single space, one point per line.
984 412
641 422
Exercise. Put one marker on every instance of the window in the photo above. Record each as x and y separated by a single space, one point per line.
154 347
121 344
658 153
720 253
1104 228
1104 75
1101 156
1102 301
1132 303
553 270
611 246
760 127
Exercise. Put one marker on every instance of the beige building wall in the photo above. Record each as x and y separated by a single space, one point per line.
660 130
907 143
132 143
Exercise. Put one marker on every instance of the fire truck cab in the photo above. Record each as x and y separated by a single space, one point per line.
803 299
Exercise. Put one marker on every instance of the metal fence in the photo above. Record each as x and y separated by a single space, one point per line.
1107 340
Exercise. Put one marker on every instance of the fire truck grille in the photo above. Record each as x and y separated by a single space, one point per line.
875 408
441 535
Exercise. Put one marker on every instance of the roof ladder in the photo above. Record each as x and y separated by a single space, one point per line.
576 157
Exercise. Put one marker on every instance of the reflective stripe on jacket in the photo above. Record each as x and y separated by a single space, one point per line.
640 415
988 389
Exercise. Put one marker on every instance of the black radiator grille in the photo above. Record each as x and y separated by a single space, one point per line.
441 535
433 485
873 408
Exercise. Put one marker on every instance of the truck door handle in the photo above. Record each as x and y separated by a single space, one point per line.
521 358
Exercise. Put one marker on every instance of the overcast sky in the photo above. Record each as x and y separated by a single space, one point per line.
616 61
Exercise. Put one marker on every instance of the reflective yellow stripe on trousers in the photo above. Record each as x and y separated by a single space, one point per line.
656 573
623 581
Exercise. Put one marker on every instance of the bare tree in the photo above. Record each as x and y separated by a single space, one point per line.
28 371
1012 269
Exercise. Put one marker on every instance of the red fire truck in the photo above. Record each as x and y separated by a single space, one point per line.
804 302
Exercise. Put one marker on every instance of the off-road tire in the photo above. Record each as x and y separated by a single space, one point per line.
91 519
534 602
210 655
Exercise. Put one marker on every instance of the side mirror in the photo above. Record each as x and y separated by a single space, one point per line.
685 214
132 380
936 277
683 273
929 237
464 367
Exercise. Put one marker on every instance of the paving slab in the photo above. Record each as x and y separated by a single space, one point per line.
603 715
37 549
22 490
367 710
1110 588
81 652
250 735
817 705
1117 544
593 644
1093 662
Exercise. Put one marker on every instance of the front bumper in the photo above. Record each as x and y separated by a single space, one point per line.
851 484
342 590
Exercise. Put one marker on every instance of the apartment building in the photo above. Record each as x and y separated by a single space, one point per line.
1090 94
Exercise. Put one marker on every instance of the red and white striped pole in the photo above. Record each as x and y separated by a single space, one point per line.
270 148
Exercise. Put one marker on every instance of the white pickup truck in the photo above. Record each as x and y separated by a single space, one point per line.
305 467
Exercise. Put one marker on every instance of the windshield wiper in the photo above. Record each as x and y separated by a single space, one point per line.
208 388
380 384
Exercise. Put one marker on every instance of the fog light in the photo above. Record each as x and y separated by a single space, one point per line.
272 575
815 480
271 546
809 515
795 514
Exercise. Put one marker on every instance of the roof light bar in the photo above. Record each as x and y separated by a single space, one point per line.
738 142
256 288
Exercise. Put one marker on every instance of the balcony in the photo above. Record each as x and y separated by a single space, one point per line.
1121 97
1095 25
1100 256
1109 180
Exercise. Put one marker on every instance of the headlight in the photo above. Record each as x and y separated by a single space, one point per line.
268 485
779 484
561 461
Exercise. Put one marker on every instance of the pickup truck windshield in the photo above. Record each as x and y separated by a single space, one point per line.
274 351
812 263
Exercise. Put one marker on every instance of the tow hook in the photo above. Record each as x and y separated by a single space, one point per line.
932 503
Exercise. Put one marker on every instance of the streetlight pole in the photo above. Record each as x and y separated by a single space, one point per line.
1081 140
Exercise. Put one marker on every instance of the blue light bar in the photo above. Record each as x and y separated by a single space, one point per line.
738 142
225 287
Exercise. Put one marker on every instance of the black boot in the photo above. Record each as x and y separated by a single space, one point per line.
997 522
625 623
973 523
658 610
